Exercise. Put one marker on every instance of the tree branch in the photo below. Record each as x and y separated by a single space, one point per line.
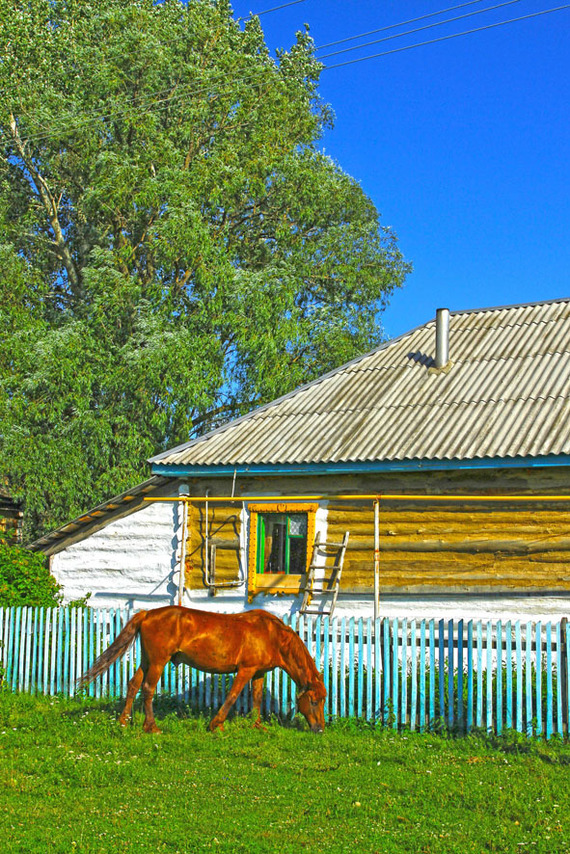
51 207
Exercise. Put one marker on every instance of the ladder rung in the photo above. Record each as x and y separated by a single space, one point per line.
330 545
323 582
322 613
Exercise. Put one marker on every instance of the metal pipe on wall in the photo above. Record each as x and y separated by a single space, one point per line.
182 574
376 560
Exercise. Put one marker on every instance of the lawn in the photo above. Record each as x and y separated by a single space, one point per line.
73 781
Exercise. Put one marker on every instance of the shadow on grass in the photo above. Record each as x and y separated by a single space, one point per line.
165 706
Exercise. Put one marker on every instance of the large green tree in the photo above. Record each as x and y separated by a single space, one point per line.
174 248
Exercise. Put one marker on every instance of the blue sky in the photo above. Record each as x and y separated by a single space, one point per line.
463 145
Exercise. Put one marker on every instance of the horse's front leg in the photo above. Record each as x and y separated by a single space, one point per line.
257 695
241 679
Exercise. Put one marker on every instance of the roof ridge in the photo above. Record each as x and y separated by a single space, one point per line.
507 307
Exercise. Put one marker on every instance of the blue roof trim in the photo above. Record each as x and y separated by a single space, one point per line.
360 467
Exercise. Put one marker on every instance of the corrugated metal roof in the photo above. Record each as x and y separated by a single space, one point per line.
505 394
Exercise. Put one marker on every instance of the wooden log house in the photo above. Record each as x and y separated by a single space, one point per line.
459 430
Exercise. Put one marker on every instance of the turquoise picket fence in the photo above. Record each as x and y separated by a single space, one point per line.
422 675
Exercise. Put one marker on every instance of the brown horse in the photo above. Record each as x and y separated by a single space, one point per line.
248 644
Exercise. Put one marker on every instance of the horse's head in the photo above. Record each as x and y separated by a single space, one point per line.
311 704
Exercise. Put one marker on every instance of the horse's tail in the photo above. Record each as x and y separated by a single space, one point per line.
118 648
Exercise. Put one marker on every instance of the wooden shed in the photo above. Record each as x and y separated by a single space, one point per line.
444 455
10 517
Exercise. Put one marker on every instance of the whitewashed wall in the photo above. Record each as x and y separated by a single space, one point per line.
129 562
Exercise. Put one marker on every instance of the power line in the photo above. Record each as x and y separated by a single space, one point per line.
275 8
421 29
401 24
446 38
167 96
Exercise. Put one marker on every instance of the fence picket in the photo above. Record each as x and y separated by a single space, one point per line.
46 646
414 675
528 674
559 680
16 648
369 670
334 669
566 676
343 668
377 669
479 719
441 665
538 677
2 643
386 670
395 674
499 671
548 722
509 675
450 674
23 664
431 645
53 651
422 675
489 675
351 705
360 689
404 673
460 675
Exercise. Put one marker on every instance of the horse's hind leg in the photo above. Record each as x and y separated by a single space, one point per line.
150 682
132 691
241 679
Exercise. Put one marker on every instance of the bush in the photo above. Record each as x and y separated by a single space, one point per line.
25 579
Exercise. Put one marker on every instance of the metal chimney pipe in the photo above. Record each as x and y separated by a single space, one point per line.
441 337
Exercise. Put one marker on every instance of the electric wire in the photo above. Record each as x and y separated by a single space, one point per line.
400 24
275 8
446 38
167 96
155 99
421 29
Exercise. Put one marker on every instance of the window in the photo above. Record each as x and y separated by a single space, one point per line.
281 544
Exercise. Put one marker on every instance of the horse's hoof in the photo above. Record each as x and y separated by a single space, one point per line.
214 726
153 729
258 725
123 721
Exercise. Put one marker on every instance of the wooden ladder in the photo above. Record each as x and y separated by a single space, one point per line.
329 584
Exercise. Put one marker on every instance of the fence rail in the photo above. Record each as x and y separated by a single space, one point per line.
399 673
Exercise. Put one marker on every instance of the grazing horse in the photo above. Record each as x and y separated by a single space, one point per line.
248 644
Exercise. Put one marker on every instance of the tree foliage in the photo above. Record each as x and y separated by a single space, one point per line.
174 248
25 579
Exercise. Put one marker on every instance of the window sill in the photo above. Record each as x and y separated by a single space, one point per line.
277 582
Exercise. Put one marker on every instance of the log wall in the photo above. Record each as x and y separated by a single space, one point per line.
425 547
456 549
224 528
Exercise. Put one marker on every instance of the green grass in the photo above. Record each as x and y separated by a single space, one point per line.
71 780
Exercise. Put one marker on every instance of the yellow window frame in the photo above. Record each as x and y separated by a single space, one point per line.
269 582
